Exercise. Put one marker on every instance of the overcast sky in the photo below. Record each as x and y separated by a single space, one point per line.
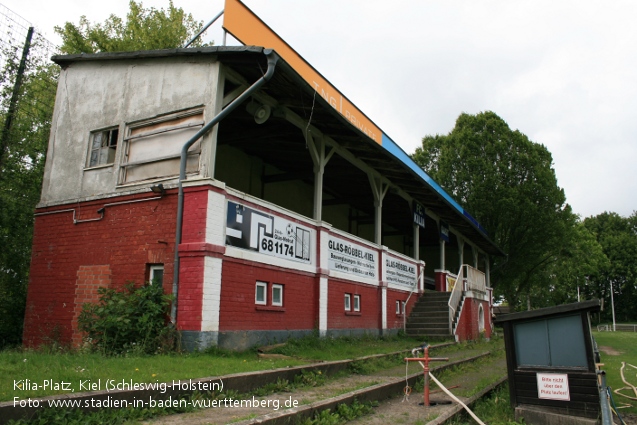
562 72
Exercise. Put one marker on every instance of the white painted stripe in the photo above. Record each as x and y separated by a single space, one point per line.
235 233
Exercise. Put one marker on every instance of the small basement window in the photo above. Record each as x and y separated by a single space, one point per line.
357 303
277 295
260 294
156 274
348 302
103 147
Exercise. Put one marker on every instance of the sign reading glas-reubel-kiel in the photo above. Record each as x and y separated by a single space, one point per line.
400 272
346 257
267 234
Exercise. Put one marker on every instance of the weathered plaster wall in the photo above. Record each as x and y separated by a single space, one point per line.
96 95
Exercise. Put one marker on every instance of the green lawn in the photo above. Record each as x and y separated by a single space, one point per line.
39 366
624 345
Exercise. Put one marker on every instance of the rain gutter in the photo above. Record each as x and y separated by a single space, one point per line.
272 58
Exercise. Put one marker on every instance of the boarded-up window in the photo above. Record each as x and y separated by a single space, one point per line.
153 148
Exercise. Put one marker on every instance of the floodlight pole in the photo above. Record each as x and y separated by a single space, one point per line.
612 304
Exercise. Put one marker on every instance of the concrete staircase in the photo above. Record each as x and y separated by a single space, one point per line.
430 316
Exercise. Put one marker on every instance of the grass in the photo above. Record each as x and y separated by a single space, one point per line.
626 344
42 366
327 349
494 409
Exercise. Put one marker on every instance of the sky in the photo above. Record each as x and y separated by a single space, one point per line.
562 72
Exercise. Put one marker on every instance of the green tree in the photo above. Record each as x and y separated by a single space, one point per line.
572 271
618 238
21 176
22 165
508 184
144 29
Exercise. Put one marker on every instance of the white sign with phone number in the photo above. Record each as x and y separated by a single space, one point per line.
254 230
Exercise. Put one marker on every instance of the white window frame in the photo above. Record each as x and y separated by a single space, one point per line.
357 302
112 140
280 302
153 269
263 285
404 306
348 302
397 307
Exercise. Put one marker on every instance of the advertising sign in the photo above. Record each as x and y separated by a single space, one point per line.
247 228
451 282
346 257
553 386
400 272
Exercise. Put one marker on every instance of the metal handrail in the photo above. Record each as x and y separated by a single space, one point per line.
476 280
456 296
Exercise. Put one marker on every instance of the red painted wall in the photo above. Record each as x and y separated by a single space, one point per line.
367 318
467 328
128 238
395 321
238 308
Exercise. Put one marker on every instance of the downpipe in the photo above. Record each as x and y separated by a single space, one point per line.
272 60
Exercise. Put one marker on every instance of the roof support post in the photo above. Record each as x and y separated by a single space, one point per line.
416 242
379 189
487 270
461 250
320 160
442 254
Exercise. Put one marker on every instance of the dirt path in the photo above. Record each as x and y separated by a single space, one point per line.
244 408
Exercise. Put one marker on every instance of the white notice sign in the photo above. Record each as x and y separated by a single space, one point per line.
553 386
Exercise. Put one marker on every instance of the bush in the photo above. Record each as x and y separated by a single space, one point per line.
132 320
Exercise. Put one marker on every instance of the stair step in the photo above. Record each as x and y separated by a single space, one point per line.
429 319
429 332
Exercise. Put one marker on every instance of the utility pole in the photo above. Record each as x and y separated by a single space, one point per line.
4 138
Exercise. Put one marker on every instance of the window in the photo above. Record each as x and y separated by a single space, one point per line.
152 148
357 303
260 295
403 305
103 147
397 307
277 295
551 342
156 274
348 299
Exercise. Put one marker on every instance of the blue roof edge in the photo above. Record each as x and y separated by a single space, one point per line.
400 154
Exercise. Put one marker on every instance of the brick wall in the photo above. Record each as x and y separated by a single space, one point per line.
367 318
467 328
238 308
395 321
89 280
130 237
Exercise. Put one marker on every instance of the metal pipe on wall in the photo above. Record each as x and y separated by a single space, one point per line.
272 58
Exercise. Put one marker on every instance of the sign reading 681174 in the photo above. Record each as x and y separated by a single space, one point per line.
267 234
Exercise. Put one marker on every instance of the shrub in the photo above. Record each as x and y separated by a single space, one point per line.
132 320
